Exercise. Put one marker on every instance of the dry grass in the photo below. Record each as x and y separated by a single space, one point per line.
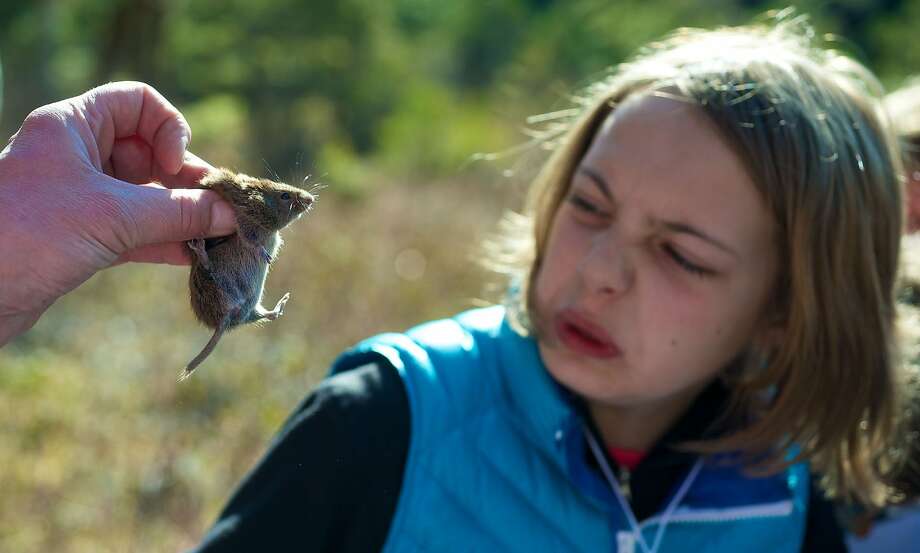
102 450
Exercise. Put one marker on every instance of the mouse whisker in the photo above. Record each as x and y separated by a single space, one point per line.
270 170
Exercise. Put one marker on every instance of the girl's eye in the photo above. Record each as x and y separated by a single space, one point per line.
587 207
285 196
685 264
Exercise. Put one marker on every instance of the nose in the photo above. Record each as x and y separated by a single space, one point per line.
305 201
606 269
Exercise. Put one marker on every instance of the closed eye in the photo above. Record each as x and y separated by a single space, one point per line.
684 264
586 206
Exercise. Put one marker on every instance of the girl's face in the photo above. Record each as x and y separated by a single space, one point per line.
659 264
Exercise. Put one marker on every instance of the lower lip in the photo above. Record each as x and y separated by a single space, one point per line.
578 342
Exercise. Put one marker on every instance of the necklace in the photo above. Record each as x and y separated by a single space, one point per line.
626 545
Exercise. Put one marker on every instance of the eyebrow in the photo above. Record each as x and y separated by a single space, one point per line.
672 226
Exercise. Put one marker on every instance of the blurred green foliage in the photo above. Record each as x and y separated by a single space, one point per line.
415 85
385 101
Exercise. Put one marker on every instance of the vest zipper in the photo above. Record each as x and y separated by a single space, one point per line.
625 488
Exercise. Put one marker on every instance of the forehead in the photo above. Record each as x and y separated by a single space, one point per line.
664 157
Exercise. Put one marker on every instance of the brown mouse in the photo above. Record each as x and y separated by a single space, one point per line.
228 273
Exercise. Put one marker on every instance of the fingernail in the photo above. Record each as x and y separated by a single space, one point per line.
180 161
183 148
223 220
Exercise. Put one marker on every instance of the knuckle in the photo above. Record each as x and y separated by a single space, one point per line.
43 130
191 216
46 119
122 87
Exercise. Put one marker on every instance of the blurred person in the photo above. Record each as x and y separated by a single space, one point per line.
888 528
92 181
697 349
903 106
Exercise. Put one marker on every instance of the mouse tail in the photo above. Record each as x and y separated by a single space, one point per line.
208 348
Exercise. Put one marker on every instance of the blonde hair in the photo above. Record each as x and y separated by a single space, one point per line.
808 125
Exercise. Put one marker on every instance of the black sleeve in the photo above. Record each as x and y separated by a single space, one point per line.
823 534
331 478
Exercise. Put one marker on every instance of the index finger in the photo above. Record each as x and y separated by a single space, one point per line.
189 175
136 109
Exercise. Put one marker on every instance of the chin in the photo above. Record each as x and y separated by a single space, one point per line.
582 378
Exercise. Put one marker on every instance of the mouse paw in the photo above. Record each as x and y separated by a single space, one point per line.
198 248
260 314
279 307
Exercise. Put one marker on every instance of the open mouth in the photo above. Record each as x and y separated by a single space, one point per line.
585 338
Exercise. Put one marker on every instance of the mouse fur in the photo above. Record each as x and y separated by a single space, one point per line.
228 274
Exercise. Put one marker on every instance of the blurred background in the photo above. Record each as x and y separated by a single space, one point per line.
391 104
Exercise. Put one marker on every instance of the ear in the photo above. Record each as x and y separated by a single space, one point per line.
770 332
770 336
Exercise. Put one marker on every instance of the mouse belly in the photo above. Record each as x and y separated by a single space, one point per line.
230 289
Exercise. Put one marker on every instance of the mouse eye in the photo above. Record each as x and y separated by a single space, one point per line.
285 196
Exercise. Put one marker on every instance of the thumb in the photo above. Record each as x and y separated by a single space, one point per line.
163 215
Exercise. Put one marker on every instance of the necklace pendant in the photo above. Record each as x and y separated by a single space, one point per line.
626 542
625 487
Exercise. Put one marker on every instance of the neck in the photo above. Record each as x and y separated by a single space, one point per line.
639 427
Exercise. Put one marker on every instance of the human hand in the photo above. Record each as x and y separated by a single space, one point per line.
92 181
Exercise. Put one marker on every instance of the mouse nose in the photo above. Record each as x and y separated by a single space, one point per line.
305 201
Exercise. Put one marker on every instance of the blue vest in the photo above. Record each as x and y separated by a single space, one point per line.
496 460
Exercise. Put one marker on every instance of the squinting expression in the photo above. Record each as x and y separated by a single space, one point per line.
660 260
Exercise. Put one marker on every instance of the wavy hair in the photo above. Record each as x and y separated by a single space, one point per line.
808 124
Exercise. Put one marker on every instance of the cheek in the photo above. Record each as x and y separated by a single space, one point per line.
560 261
685 311
707 331
548 278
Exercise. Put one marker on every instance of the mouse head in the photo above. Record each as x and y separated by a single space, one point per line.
272 205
